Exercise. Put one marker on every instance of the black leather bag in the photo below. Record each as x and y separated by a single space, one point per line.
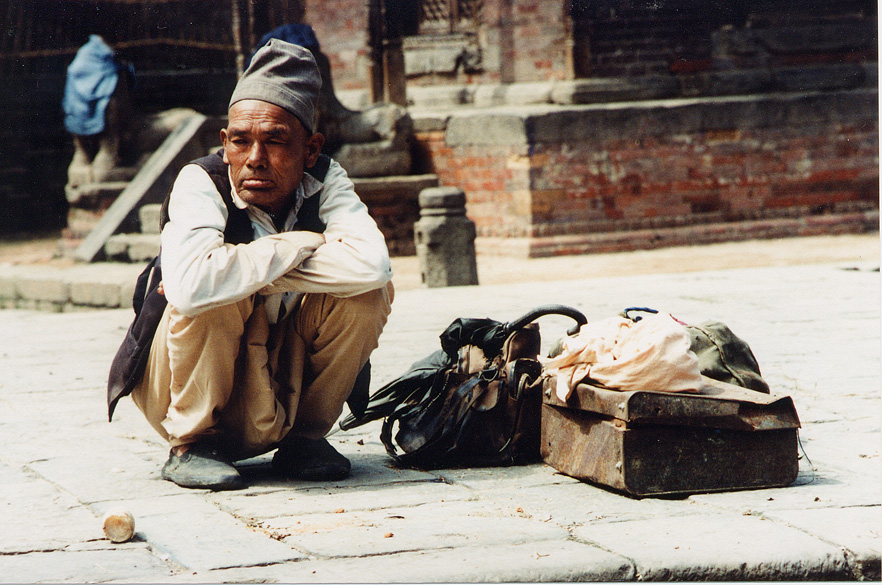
475 402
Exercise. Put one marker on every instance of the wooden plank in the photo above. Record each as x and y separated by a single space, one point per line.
150 185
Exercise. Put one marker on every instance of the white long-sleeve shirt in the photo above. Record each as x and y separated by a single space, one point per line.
200 271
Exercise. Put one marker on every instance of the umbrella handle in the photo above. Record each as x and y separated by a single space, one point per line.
531 316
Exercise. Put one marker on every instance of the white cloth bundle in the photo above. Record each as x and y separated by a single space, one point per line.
620 354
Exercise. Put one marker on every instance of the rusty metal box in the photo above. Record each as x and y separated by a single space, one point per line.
651 443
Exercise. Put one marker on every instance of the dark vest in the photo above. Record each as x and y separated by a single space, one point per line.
238 229
130 361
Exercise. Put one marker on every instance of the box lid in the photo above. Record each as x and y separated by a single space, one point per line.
715 405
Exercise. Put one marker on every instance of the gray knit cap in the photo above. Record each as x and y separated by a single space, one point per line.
285 75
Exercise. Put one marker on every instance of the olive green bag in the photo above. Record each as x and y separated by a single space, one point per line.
724 356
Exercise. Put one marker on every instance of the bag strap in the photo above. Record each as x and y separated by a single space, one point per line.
147 281
386 431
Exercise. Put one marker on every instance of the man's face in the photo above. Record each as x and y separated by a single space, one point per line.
267 149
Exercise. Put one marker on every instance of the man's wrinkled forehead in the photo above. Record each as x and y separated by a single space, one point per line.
251 116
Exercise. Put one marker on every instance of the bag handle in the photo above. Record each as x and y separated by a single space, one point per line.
543 310
636 318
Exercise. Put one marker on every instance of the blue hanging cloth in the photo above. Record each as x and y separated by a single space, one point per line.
91 80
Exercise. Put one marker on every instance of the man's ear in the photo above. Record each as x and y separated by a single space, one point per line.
314 148
223 137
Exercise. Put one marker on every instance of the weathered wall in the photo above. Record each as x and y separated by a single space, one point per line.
341 29
526 41
546 180
32 174
520 40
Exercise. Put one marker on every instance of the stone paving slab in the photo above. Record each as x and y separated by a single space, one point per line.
123 477
541 562
574 504
130 563
814 329
718 547
856 529
41 517
197 534
297 500
404 529
819 490
57 288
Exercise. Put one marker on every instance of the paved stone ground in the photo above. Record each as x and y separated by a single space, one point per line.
815 329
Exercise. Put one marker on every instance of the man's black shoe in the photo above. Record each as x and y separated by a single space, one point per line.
202 466
310 459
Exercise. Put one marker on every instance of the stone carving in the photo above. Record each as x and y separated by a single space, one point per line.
98 107
102 164
110 140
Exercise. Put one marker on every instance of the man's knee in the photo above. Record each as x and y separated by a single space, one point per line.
367 310
376 303
230 318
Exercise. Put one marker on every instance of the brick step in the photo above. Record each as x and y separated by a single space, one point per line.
100 192
148 216
137 247
131 247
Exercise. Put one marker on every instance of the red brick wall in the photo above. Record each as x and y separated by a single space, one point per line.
341 29
702 177
587 171
523 40
496 181
539 40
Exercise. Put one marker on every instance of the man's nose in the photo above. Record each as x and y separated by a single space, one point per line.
256 155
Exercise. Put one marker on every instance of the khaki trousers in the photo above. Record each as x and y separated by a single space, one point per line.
228 375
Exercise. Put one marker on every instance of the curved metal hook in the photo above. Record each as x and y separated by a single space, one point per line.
543 310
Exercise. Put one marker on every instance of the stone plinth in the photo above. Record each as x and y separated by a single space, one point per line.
445 239
550 179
